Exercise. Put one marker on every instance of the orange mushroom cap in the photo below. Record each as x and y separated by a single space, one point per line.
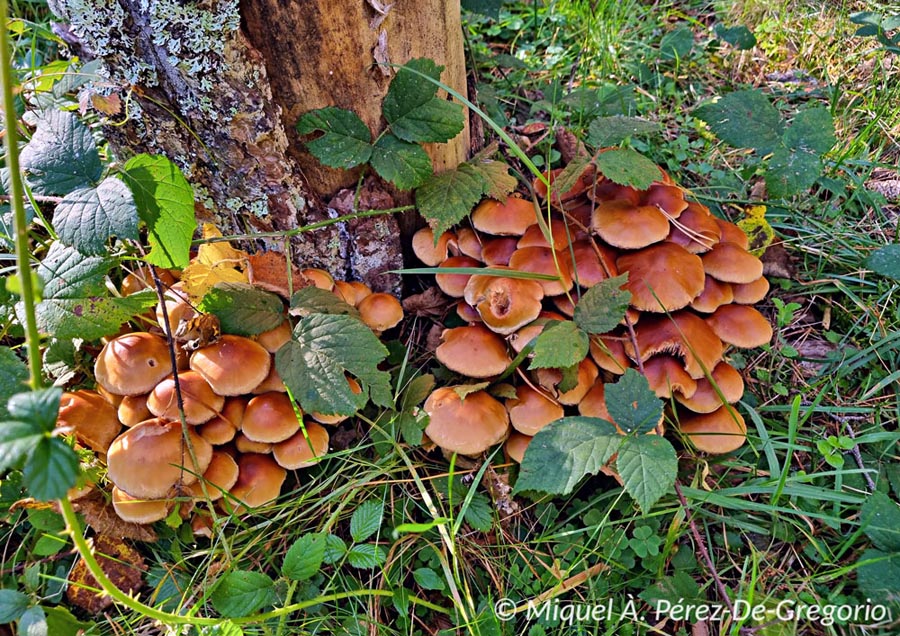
467 427
666 376
133 364
509 218
682 334
715 294
429 251
727 386
454 284
92 418
259 482
270 418
662 277
530 410
504 304
624 225
719 432
380 312
473 351
696 230
232 365
200 402
543 260
740 325
751 293
302 451
730 263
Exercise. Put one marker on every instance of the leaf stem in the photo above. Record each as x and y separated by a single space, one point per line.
17 194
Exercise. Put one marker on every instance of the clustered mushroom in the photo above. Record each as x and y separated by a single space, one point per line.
242 432
692 282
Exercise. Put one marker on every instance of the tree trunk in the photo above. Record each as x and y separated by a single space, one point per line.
218 88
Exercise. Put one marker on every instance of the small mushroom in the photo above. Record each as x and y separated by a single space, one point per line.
681 334
740 325
303 449
222 428
200 402
508 218
91 417
232 365
137 510
730 263
662 277
719 432
275 338
624 225
473 351
543 260
133 409
467 427
218 478
530 410
666 376
429 251
516 445
454 285
132 364
259 482
270 418
727 386
380 312
504 304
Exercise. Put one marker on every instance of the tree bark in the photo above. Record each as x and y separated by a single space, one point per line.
218 87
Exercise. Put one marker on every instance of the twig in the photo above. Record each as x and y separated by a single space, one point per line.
858 457
37 197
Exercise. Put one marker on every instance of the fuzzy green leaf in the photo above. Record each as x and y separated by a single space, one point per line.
366 556
445 199
881 522
611 131
17 440
740 37
791 172
744 119
428 579
498 182
478 513
561 344
627 167
366 520
677 43
33 622
335 549
347 141
38 408
878 577
812 131
88 217
304 558
632 404
574 447
417 390
409 90
322 349
51 469
404 164
12 605
647 465
312 300
885 261
243 309
13 376
61 622
61 156
603 306
242 592
437 120
165 203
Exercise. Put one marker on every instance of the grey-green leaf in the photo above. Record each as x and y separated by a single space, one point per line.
17 441
880 521
88 217
560 344
627 167
312 300
51 469
366 520
13 376
12 605
812 131
610 131
603 306
437 120
33 622
677 43
242 592
61 155
740 37
243 309
791 172
428 579
409 90
335 549
347 141
885 261
574 447
404 164
632 404
744 119
647 465
446 198
304 558
878 576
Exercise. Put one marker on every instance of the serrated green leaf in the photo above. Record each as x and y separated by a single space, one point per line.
61 622
61 155
412 426
603 306
561 344
33 622
435 121
304 558
87 218
885 261
569 177
878 576
478 513
627 167
243 309
242 592
569 379
405 165
335 549
498 182
366 556
740 37
366 520
409 90
677 43
312 300
744 119
811 131
13 376
322 349
632 404
165 203
880 520
38 408
573 447
791 172
463 390
428 579
51 469
347 141
611 131
417 390
12 605
647 465
88 317
445 199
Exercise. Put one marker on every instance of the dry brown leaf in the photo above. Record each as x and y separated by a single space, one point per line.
380 53
119 561
430 302
269 271
99 514
107 104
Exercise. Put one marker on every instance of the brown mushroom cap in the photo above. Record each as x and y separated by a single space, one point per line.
136 510
696 230
473 351
498 251
178 309
467 243
467 427
146 460
133 364
380 312
584 181
593 404
731 263
727 386
302 451
530 410
587 375
319 278
662 277
222 428
682 334
454 284
133 409
467 312
270 418
740 325
92 418
534 236
232 365
606 189
273 381
721 431
667 375
429 251
543 260
509 218
715 294
588 268
624 225
273 339
219 477
201 403
327 418
259 482
504 304
731 233
669 198
516 445
751 293
609 354
244 444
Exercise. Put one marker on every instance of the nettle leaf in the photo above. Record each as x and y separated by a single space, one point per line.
791 172
312 300
628 167
242 592
744 119
243 309
561 344
878 576
632 404
445 199
428 579
498 182
404 164
740 37
603 306
335 549
647 465
574 447
611 131
13 376
165 203
321 350
88 217
885 261
366 520
51 469
812 131
304 558
61 155
479 513
347 141
38 408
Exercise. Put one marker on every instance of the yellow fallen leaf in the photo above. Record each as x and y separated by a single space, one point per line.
219 252
198 278
757 229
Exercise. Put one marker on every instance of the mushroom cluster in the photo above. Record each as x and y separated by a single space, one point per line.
242 434
692 282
